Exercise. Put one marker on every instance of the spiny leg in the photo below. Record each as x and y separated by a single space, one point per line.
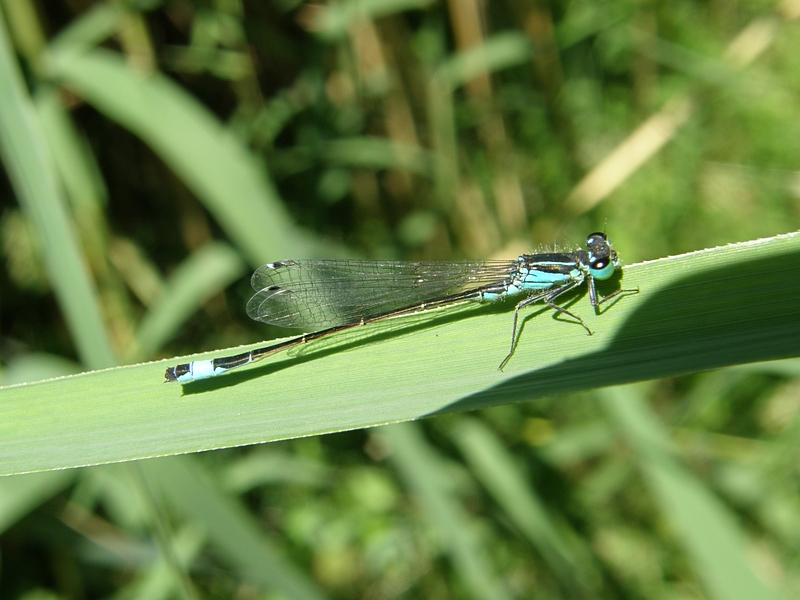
548 296
617 293
561 309
593 297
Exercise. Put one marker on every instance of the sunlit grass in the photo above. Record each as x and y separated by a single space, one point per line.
156 153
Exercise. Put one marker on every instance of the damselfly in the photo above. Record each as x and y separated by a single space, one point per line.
340 294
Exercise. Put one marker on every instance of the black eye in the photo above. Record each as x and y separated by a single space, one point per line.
599 263
596 237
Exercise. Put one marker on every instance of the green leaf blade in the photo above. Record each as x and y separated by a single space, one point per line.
690 315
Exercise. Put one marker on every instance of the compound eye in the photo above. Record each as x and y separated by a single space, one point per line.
599 264
601 267
598 237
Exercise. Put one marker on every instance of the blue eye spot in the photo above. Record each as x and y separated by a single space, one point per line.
602 268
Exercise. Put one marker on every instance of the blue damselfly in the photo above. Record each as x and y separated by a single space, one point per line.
341 294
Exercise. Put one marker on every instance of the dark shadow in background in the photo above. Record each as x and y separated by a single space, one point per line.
717 318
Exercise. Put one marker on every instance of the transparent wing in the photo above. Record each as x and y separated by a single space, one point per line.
326 293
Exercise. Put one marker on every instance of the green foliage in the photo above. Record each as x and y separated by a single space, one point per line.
687 317
154 150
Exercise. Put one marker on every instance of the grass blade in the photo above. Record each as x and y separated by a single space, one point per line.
203 274
704 525
27 158
225 176
20 495
426 476
191 493
691 315
495 466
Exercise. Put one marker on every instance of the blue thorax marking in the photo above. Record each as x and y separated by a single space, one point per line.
538 272
344 294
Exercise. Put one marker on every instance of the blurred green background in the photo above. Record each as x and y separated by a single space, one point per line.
156 152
